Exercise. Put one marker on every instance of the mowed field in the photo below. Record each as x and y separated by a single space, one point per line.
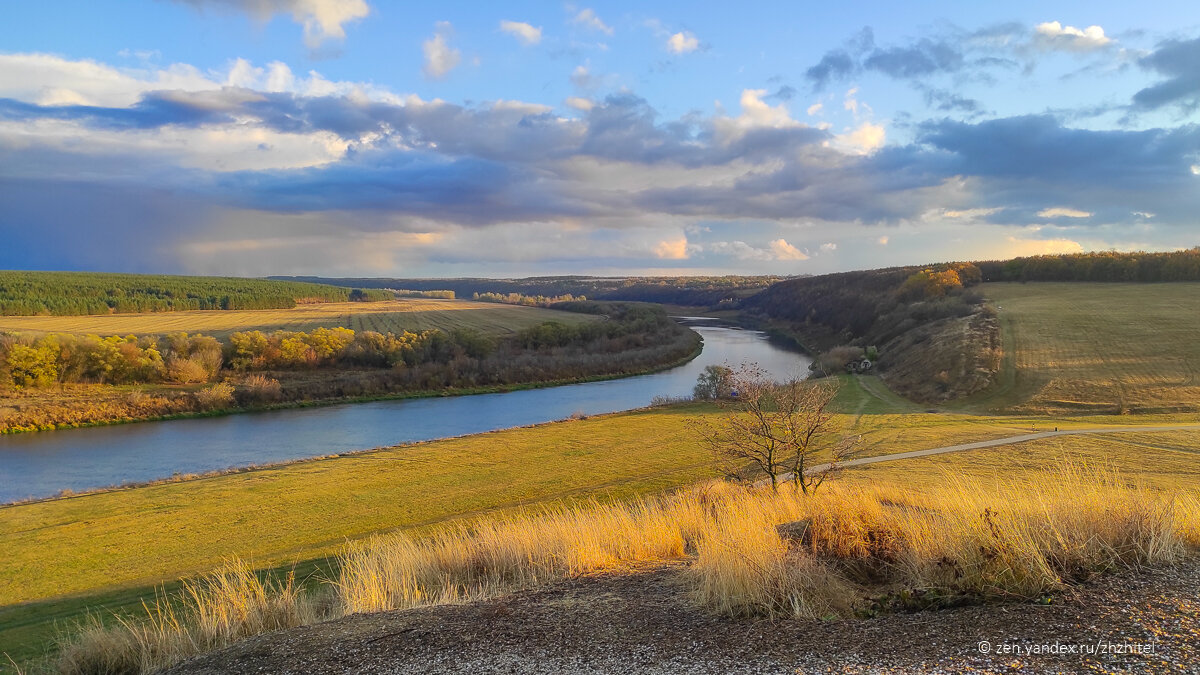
415 314
1097 347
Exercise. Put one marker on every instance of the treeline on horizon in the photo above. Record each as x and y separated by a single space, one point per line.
680 290
84 293
1108 266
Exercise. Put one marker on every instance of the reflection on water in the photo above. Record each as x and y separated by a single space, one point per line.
79 459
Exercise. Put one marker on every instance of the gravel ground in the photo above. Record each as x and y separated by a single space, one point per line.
641 621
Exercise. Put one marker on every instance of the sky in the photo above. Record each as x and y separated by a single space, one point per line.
373 138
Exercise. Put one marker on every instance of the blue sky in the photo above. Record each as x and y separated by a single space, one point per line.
358 137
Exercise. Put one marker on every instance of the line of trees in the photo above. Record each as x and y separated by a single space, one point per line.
1138 266
525 300
83 293
695 291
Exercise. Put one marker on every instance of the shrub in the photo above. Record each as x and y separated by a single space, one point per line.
186 371
262 389
216 397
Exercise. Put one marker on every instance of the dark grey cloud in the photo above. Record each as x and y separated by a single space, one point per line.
1032 162
835 65
925 57
1179 62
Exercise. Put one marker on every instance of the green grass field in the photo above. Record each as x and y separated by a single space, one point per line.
412 314
110 549
1096 347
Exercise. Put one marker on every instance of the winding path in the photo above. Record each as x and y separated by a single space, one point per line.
1010 440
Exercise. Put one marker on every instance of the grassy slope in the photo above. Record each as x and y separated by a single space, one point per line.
408 314
110 548
1096 347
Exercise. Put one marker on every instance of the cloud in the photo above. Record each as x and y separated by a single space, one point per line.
672 249
782 250
835 65
587 17
883 241
1063 212
440 57
865 138
1052 35
579 103
255 153
1177 61
814 109
525 33
322 19
1017 246
776 250
682 43
923 58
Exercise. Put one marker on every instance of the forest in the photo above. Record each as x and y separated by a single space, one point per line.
694 291
83 293
1113 266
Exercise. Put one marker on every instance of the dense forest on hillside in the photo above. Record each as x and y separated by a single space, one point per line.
81 293
1098 266
932 334
696 291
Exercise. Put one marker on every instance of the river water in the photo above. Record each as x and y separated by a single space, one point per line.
41 464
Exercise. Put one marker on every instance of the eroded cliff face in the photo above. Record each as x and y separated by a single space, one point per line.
944 360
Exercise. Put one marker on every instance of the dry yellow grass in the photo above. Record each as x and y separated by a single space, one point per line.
1097 346
757 552
413 314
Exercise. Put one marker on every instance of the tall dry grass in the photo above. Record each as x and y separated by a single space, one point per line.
753 552
227 605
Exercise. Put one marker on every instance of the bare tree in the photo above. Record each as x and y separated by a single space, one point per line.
777 429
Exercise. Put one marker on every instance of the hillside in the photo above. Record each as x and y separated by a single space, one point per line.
79 293
935 338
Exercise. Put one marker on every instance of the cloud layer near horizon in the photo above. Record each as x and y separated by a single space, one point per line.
258 170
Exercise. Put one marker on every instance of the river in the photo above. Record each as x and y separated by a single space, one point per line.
42 464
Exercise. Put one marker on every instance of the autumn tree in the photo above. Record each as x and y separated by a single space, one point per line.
777 429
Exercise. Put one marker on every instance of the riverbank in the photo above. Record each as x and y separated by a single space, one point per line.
150 392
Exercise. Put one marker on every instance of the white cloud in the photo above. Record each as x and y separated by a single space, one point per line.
1143 214
672 249
1063 212
1026 247
440 58
863 140
587 17
1196 169
971 214
580 103
1054 35
785 251
322 19
883 241
683 42
51 80
829 247
814 109
756 113
525 33
778 249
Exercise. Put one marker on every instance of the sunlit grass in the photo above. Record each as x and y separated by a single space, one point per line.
753 551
